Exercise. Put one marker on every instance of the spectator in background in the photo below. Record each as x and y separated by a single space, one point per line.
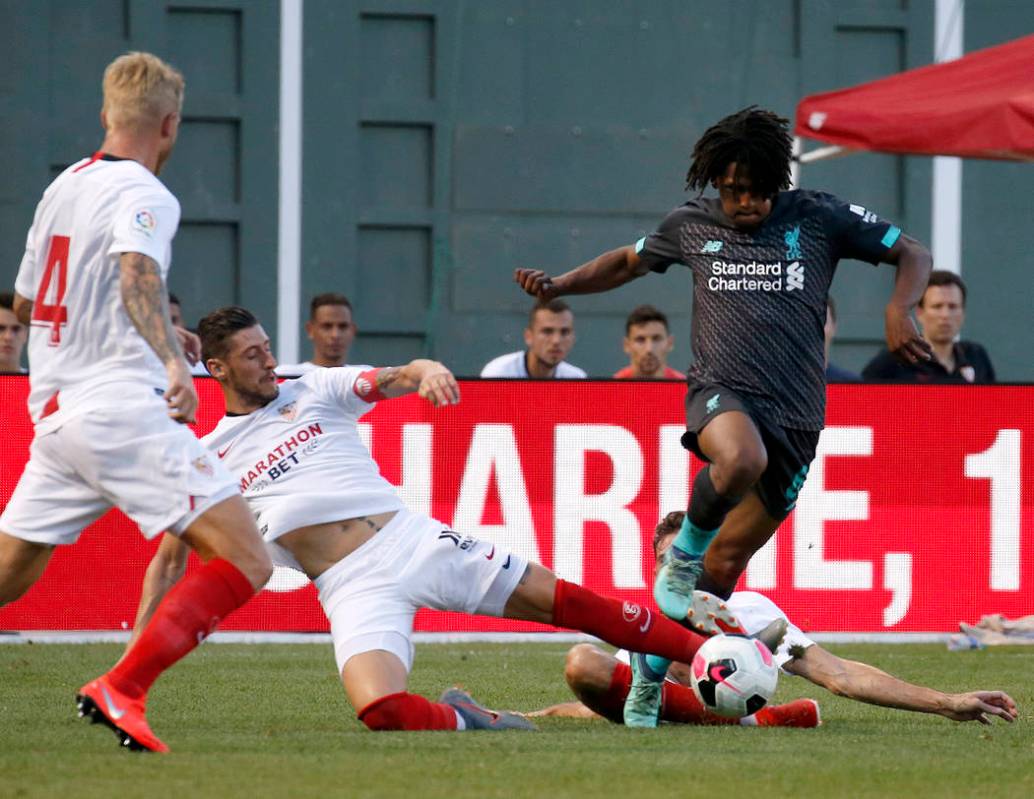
834 373
941 312
549 338
13 335
648 342
331 329
176 311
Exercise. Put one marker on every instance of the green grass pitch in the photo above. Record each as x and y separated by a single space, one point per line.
272 720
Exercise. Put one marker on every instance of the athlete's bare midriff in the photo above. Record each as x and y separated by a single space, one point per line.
319 546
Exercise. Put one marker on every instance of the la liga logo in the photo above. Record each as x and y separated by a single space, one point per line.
144 221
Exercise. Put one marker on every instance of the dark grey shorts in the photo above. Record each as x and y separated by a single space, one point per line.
790 451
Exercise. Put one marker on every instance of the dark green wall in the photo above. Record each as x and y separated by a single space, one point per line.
997 235
448 141
224 168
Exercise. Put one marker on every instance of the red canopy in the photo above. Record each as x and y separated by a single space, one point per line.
978 106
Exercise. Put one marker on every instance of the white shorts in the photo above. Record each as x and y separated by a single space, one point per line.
133 457
414 562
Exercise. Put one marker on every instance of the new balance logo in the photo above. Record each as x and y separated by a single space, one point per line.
795 276
712 247
867 216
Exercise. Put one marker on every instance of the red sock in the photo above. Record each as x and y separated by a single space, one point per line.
189 612
405 711
611 705
628 625
678 703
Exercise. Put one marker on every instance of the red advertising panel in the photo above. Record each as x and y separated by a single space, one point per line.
918 511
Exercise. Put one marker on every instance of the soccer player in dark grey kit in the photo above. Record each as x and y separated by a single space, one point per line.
762 260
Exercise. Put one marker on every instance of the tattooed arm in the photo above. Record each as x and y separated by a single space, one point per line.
146 302
432 380
22 308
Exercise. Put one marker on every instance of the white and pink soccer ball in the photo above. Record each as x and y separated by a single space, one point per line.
733 675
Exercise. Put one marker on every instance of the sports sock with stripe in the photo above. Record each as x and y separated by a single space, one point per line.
626 625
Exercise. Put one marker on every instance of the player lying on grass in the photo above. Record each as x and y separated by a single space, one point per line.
323 508
602 681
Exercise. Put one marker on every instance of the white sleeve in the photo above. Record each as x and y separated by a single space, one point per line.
755 611
25 283
501 366
146 222
340 385
28 274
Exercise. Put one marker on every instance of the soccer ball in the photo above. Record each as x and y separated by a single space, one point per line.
734 676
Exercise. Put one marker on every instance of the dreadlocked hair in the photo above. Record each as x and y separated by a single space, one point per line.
754 139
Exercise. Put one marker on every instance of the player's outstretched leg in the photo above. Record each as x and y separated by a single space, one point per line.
188 614
375 681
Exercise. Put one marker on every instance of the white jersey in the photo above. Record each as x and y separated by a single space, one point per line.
82 342
300 461
756 611
296 369
515 364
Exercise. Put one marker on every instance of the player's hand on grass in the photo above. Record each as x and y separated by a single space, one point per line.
978 705
536 283
438 386
903 338
189 343
180 396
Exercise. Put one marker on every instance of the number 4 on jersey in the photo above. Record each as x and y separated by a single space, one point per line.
55 315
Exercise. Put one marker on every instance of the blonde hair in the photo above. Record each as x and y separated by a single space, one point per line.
140 89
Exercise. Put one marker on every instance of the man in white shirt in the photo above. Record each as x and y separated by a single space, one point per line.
111 392
601 681
324 509
549 338
331 329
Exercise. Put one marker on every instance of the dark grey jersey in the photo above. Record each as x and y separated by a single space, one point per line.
759 297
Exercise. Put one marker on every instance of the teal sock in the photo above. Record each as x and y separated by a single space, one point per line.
658 665
691 539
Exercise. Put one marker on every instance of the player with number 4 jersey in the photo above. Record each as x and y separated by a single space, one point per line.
324 508
110 393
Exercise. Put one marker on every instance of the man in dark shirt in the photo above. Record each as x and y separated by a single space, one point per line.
941 312
762 261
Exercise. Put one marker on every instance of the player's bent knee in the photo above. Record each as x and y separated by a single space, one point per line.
742 469
584 668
